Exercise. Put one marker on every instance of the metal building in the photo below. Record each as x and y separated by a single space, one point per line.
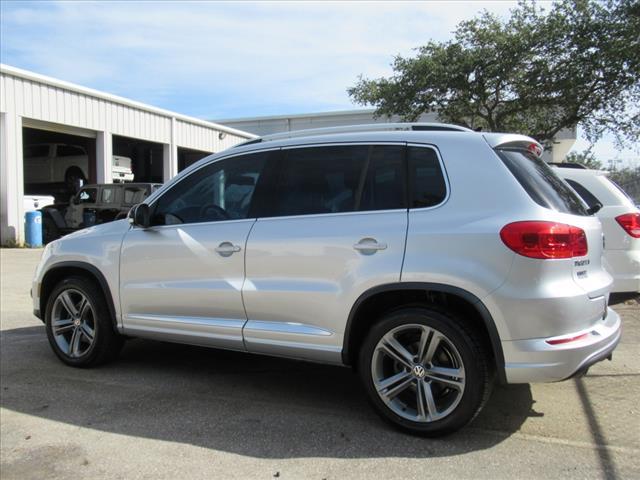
285 123
36 109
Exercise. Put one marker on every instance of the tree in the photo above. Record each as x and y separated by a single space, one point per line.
536 72
586 158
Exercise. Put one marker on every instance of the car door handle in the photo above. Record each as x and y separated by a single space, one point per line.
369 244
227 248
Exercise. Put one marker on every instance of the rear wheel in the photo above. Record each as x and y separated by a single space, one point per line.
79 326
424 372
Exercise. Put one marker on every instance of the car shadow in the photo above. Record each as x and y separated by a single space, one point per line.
623 298
230 401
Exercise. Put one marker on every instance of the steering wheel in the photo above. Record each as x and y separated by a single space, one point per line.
211 211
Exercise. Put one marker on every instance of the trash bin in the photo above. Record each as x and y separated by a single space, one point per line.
33 229
88 218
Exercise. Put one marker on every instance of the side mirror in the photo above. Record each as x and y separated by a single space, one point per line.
140 215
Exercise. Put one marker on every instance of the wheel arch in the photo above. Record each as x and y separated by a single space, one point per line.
395 295
65 269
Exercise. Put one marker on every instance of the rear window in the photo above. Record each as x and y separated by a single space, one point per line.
541 183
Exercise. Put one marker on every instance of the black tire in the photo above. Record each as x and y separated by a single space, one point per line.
478 376
50 231
106 342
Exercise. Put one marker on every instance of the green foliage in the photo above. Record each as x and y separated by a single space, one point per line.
536 72
629 180
586 158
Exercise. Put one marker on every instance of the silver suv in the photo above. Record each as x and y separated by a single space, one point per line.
431 258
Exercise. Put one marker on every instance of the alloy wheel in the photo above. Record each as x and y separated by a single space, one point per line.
418 373
73 323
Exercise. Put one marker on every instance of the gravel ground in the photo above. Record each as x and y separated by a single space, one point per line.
173 411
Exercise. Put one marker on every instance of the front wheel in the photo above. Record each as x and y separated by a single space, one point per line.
78 324
424 371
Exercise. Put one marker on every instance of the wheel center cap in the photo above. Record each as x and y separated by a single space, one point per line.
76 322
419 371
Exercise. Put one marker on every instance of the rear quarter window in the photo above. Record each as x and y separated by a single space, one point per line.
541 183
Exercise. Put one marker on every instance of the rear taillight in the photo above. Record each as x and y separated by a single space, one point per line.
630 222
545 239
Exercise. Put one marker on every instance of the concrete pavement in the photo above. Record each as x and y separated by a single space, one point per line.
173 411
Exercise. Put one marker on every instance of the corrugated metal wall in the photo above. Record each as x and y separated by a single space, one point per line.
50 103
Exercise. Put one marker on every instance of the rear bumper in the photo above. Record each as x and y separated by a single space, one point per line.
535 360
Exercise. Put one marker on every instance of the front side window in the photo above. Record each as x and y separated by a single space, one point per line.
87 195
222 190
426 179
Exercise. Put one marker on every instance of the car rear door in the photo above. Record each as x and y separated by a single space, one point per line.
181 279
334 225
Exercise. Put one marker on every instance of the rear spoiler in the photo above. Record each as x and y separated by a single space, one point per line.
513 140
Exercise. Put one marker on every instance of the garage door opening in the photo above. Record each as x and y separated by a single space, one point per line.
188 156
146 158
56 164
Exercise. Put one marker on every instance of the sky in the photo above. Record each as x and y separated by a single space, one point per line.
220 60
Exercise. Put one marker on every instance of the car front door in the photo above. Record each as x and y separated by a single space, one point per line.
334 226
85 199
110 200
181 279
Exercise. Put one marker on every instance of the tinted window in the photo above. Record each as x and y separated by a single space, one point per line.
134 195
541 183
36 151
589 198
88 195
69 151
220 191
108 194
384 187
319 180
427 184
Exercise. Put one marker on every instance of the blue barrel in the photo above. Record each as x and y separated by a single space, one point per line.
33 229
89 218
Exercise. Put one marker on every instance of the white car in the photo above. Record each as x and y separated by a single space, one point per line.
59 162
32 203
620 220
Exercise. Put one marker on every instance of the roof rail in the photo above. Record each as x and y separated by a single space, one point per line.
577 166
371 127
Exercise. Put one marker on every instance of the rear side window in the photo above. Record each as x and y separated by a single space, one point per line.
109 194
134 195
541 183
426 179
338 179
36 151
318 180
384 186
589 198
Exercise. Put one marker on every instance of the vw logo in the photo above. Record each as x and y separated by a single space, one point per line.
419 371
